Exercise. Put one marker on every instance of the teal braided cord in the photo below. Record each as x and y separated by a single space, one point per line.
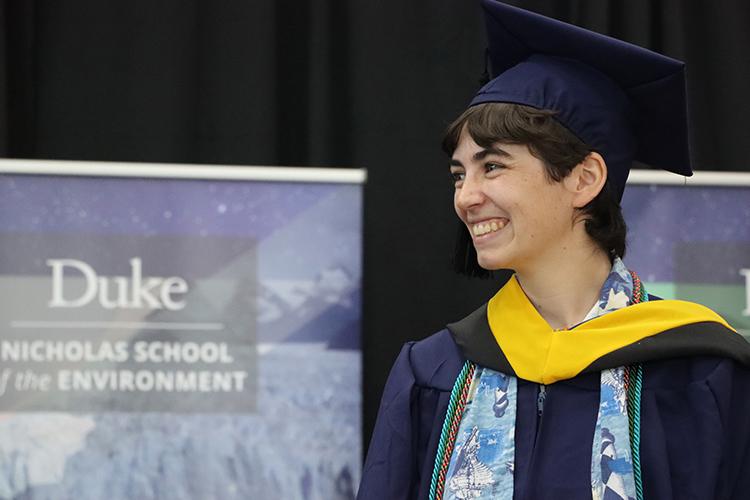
644 294
449 416
634 420
635 387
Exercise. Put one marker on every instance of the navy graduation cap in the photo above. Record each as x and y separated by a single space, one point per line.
624 101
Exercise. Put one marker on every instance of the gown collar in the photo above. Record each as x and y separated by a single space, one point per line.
509 335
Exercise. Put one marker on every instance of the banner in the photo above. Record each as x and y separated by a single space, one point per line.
179 332
690 239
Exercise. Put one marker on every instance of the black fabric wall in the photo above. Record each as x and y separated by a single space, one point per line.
326 83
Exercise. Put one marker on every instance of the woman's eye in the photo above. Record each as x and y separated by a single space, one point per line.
489 167
457 176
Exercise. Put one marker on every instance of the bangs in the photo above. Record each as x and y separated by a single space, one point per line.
493 122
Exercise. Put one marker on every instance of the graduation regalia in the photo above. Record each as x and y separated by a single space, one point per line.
695 416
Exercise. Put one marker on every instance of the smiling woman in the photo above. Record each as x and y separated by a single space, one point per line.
559 150
572 381
534 216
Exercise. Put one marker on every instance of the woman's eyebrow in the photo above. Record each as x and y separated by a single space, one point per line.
480 155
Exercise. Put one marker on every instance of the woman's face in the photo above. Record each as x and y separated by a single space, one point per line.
517 217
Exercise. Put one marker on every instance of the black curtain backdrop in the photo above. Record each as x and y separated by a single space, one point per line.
335 84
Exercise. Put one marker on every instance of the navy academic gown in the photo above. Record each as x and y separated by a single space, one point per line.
695 424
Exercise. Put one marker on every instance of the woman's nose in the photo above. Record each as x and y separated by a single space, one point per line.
469 194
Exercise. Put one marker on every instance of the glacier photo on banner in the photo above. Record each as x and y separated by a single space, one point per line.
693 243
166 338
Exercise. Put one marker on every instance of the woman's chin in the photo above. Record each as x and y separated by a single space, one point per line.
491 263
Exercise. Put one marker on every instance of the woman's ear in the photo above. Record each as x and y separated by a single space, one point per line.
587 179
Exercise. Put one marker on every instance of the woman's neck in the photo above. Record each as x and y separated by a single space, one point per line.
563 290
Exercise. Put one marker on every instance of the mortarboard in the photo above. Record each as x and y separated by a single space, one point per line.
624 101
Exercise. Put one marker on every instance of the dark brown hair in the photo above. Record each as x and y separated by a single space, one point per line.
560 151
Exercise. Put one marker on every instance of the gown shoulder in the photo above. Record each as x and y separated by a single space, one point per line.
406 434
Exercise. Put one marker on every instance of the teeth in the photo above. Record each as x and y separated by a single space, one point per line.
481 229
